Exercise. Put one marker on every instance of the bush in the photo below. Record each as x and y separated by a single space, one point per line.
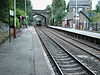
17 23
20 12
12 23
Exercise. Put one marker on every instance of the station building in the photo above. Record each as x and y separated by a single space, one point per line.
82 5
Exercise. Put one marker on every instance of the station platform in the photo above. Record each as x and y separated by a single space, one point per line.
81 32
24 56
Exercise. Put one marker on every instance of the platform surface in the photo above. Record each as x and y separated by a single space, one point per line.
24 56
86 33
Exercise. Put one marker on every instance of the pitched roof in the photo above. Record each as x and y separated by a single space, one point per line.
85 14
80 2
69 16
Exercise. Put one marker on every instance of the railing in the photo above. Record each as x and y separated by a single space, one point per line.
95 26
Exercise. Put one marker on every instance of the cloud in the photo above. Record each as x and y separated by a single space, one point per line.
40 4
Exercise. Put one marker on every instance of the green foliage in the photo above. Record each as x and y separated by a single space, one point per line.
98 7
20 13
12 23
10 4
3 10
58 10
95 18
56 4
17 23
59 15
28 7
21 5
6 5
48 8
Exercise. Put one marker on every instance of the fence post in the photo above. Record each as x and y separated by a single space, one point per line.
88 26
96 27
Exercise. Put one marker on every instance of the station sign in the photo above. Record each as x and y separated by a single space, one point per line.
11 13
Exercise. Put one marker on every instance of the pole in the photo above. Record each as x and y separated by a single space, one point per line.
52 15
25 7
25 14
14 18
76 13
9 29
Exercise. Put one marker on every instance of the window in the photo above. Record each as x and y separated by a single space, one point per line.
80 9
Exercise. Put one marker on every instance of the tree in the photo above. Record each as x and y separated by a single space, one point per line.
6 5
3 10
48 8
98 7
67 7
58 10
21 5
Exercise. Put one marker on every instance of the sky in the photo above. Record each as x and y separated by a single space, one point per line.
41 4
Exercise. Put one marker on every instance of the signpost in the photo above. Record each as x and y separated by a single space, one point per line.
11 13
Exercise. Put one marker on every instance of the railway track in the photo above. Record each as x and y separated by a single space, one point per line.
94 51
94 46
66 63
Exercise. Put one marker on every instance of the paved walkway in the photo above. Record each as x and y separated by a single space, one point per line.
23 55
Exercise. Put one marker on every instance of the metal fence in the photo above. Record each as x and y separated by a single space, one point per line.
94 26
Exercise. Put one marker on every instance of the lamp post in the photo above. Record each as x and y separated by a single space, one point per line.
76 15
52 15
25 7
25 15
14 18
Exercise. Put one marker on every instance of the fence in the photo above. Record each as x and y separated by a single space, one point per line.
95 26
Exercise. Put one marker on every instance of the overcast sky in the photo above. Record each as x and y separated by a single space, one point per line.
41 4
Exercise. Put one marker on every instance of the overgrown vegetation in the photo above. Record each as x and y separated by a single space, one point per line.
58 8
6 5
96 18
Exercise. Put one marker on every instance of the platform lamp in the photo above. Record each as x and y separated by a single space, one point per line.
76 15
52 15
25 14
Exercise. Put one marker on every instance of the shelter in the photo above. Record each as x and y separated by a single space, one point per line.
68 20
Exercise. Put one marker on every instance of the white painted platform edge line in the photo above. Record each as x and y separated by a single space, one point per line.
48 63
46 58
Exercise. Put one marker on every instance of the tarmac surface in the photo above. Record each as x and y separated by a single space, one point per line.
24 56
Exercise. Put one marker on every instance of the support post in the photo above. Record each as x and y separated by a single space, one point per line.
9 28
14 29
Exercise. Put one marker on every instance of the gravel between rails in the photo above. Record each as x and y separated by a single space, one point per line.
68 66
88 60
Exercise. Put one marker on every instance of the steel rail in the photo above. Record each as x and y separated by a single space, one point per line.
76 46
85 67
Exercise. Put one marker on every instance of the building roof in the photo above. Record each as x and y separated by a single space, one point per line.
69 16
80 2
85 14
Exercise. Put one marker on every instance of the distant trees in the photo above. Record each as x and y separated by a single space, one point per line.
3 10
21 5
98 7
48 8
95 17
6 5
58 11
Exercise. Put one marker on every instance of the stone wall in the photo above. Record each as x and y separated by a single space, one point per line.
4 31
